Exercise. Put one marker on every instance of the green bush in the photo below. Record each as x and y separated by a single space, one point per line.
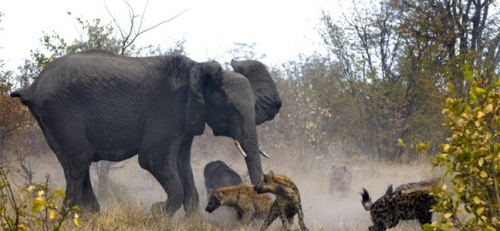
471 159
33 207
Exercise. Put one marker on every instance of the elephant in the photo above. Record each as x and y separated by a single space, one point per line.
218 175
95 105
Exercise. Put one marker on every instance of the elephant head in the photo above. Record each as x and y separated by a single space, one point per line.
238 101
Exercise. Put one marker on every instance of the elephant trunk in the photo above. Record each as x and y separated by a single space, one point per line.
250 145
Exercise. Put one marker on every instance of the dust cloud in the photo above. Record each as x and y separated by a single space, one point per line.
341 211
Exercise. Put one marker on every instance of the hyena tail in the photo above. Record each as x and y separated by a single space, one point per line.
389 190
367 201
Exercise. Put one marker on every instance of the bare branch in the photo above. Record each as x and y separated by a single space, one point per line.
114 19
142 16
146 30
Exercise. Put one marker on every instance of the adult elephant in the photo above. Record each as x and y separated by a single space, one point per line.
95 105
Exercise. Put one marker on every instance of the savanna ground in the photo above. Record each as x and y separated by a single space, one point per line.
135 190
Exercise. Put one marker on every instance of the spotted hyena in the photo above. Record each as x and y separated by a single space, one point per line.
287 202
243 198
416 185
401 205
340 179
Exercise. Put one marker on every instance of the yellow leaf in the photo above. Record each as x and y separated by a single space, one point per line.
39 200
446 147
480 162
60 192
489 227
480 114
52 214
21 227
483 174
40 193
476 200
447 215
480 211
77 220
488 108
443 187
477 123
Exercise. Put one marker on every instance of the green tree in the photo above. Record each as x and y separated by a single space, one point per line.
395 60
379 70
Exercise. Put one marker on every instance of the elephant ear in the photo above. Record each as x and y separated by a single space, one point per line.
267 99
196 113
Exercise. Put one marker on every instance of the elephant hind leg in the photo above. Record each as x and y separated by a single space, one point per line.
72 150
75 171
160 159
88 197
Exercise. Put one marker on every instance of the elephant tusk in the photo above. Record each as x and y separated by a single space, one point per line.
264 154
238 146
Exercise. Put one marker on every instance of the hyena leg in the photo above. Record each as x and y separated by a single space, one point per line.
247 214
300 214
425 218
271 216
287 223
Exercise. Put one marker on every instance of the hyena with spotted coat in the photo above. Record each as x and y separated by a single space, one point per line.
400 205
287 202
243 198
417 185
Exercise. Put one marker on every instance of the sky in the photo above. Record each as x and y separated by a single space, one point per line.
280 29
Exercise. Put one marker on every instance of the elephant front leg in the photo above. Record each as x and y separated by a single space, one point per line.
191 200
88 197
160 159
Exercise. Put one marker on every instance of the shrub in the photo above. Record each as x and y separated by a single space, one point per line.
471 158
34 207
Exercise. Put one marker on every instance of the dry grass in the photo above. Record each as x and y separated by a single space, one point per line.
322 211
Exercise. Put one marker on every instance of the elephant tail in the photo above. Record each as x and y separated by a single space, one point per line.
23 94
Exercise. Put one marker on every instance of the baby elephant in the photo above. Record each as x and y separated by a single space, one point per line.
243 199
218 175
340 179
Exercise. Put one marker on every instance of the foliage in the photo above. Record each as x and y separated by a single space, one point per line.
392 61
301 121
471 157
34 207
15 120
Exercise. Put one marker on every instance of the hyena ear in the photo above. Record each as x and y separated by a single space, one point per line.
218 197
271 172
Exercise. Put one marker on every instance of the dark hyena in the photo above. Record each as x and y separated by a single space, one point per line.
287 202
340 179
401 205
243 198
